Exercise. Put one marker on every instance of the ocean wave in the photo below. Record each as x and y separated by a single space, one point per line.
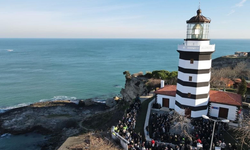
118 86
8 50
55 98
2 110
72 99
100 101
5 135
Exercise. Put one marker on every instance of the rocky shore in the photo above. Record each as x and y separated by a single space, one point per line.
58 119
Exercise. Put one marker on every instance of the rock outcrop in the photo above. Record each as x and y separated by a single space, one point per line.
133 87
227 61
110 102
46 117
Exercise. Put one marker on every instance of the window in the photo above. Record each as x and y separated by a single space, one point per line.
190 78
189 94
191 61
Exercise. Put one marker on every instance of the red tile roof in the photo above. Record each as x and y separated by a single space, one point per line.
169 90
225 98
215 96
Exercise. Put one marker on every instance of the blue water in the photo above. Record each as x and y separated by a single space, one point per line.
40 69
14 142
33 70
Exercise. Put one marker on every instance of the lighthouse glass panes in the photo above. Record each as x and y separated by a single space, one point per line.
197 30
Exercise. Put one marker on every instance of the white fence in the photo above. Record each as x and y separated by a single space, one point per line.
147 137
150 105
124 143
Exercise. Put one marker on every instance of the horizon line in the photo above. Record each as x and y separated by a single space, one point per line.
115 38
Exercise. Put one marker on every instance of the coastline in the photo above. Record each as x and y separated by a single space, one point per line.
57 120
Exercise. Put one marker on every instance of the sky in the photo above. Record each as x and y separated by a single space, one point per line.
120 18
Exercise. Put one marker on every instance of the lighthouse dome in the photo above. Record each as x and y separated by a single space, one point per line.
199 18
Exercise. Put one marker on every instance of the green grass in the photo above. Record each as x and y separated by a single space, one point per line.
142 116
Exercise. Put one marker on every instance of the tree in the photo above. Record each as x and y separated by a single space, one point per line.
160 74
181 125
243 87
243 132
173 74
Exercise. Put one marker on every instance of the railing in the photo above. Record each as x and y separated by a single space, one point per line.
124 143
147 137
198 48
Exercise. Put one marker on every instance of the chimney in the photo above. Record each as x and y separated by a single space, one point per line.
162 84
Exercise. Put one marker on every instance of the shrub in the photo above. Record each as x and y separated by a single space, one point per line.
160 74
148 75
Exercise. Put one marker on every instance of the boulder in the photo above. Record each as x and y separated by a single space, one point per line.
81 103
88 102
110 102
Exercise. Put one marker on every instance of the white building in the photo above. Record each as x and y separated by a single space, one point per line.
192 96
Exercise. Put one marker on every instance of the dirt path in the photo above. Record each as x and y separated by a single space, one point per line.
84 128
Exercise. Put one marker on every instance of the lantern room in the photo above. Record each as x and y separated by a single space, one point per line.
198 27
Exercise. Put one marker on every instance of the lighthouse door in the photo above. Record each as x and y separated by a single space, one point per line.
188 112
165 102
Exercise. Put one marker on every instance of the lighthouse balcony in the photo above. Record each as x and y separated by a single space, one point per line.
200 48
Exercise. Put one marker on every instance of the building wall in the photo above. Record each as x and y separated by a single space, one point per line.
171 100
232 110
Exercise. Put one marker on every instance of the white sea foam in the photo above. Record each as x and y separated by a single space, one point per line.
63 98
2 110
118 86
55 98
5 135
72 99
100 101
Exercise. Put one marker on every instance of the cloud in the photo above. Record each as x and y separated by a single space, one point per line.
231 12
241 3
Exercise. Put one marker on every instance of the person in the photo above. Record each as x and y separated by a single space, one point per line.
153 142
223 145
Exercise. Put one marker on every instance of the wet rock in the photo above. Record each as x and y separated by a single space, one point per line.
110 102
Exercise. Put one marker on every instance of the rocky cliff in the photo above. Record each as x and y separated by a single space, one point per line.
229 61
59 119
134 86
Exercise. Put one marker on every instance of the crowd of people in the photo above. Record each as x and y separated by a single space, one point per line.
159 131
126 129
202 134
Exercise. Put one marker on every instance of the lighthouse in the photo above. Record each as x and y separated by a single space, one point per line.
194 70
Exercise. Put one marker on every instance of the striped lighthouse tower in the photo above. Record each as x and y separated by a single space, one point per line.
194 70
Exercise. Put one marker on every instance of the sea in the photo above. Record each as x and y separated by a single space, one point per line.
36 70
